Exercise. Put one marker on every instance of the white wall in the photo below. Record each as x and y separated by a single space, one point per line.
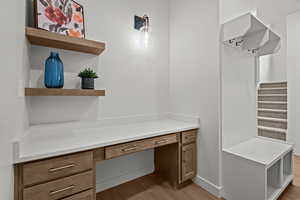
238 96
270 12
13 68
265 65
230 9
8 99
293 63
136 77
194 76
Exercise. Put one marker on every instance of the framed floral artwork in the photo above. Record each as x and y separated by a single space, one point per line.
60 16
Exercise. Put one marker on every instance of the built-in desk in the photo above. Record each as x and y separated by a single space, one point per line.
58 161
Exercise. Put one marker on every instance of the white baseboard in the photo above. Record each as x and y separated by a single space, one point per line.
208 186
115 181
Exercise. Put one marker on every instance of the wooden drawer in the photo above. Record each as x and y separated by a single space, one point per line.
87 195
60 188
164 140
51 169
189 136
131 147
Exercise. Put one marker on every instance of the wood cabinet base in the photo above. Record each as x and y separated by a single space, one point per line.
73 177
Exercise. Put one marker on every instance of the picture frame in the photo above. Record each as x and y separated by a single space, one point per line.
64 17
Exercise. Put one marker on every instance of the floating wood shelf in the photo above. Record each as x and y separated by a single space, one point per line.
55 40
62 92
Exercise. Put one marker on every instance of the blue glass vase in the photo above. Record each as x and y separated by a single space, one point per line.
54 72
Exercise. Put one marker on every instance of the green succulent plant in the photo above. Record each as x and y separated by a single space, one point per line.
88 73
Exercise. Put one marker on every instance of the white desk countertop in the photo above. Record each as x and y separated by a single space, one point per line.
54 140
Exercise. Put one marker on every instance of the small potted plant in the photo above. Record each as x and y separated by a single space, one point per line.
88 77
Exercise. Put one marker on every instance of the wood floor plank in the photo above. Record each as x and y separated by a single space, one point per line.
297 170
163 188
153 187
111 194
194 192
134 191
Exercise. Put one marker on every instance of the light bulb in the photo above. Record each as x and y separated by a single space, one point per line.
146 39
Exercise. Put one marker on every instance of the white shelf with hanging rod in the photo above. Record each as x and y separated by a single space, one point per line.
254 168
249 34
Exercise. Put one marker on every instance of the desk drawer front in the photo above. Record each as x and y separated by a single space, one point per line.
46 170
88 195
132 147
165 140
61 188
189 136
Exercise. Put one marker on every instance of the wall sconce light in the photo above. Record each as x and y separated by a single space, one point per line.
142 23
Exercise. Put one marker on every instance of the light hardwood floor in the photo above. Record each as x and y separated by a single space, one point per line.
152 187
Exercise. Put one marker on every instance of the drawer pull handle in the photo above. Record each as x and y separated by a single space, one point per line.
61 190
161 142
52 170
129 149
